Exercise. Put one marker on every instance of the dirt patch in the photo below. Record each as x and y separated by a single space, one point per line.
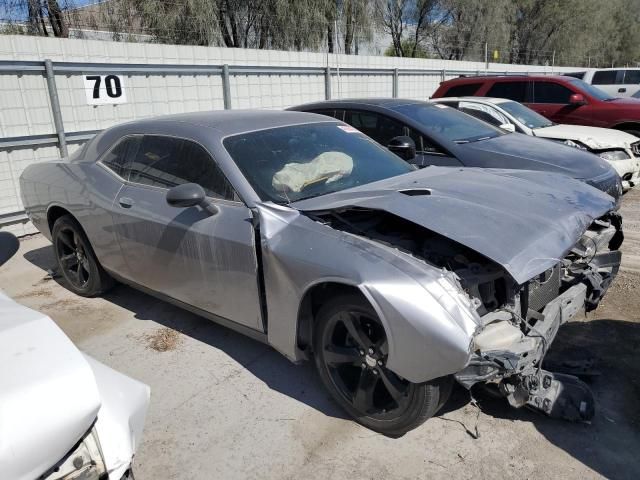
163 340
72 304
38 293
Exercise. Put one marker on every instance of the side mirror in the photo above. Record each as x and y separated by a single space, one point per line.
577 99
9 245
190 195
403 146
509 127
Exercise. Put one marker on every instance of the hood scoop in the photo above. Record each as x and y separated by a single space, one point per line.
416 192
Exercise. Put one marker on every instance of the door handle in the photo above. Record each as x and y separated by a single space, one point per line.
125 202
622 90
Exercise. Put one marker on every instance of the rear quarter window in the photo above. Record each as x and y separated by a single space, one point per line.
632 76
464 90
117 157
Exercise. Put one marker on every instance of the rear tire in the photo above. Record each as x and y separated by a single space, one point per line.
77 261
350 353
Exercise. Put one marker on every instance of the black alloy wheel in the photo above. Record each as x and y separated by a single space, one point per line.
351 352
76 260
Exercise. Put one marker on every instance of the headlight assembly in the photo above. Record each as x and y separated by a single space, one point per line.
613 155
574 144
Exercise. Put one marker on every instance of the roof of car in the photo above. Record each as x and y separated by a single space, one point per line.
227 122
506 77
613 68
377 102
493 100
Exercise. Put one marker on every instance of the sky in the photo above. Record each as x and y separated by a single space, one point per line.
15 10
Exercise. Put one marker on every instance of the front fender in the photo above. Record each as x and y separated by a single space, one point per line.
430 331
428 324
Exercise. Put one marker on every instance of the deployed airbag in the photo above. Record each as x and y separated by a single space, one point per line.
327 167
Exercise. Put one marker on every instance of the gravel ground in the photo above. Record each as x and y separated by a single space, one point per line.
225 406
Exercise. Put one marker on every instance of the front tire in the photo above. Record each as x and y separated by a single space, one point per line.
350 352
76 259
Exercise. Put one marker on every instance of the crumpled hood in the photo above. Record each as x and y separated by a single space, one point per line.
525 221
516 150
593 137
48 394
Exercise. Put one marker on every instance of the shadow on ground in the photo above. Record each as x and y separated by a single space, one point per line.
610 445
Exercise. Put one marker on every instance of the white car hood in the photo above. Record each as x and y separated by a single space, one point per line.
593 137
48 394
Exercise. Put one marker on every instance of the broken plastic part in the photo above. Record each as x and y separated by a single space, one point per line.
497 336
555 394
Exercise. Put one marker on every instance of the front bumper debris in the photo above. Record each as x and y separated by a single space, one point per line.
556 394
516 368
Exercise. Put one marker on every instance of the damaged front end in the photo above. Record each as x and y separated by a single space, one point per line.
510 346
518 321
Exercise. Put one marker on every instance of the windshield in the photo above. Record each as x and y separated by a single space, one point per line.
287 164
591 90
525 115
449 123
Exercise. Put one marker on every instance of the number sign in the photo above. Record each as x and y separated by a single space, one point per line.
104 89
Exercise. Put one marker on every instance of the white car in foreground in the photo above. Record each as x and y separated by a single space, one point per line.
63 415
620 149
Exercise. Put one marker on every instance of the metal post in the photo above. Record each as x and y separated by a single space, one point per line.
55 107
486 56
327 83
394 88
226 88
443 75
553 60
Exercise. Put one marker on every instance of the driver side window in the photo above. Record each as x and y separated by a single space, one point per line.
168 161
379 127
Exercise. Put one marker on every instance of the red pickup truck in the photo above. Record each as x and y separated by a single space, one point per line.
560 99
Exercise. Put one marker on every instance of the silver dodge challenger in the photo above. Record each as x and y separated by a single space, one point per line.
301 232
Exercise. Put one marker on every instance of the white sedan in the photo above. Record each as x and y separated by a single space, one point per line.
64 415
620 149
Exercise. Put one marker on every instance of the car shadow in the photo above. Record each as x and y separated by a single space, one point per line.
609 445
296 381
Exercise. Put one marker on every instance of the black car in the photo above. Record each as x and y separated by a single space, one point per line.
425 133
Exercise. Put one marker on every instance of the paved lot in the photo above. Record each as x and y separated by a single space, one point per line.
224 406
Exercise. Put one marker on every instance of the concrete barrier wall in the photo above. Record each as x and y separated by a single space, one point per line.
171 79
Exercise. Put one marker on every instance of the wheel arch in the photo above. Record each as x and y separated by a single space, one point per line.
311 301
54 212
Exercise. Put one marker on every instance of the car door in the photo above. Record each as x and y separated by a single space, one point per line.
382 128
551 100
205 260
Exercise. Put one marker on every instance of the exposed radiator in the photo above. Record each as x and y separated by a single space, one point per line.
544 288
